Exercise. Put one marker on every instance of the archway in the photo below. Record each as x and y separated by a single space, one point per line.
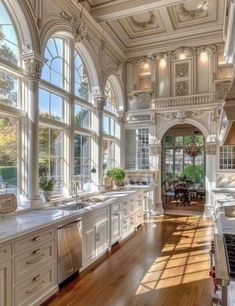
183 168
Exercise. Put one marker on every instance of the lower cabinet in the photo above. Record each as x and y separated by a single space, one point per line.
95 236
115 227
5 283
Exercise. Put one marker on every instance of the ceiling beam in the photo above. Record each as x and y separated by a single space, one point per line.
123 8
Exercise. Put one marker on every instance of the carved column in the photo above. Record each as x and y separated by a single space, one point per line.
155 157
99 101
210 177
120 120
33 63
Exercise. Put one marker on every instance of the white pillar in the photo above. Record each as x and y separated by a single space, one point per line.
155 160
210 178
99 105
33 65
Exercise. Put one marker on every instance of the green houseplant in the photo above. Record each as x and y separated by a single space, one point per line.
47 185
117 175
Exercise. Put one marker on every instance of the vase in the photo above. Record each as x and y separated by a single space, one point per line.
47 195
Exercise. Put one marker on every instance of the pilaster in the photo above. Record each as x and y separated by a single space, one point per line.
33 64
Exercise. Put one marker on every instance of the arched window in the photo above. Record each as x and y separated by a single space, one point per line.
11 105
64 66
9 45
55 70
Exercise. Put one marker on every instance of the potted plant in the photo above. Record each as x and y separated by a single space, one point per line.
47 185
118 176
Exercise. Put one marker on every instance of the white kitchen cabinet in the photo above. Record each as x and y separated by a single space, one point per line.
95 236
115 227
89 245
5 283
102 237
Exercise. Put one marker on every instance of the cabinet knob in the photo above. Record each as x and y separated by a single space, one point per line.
36 238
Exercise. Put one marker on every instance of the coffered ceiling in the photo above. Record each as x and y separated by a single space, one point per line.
140 25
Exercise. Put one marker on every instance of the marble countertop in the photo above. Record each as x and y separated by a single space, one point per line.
16 224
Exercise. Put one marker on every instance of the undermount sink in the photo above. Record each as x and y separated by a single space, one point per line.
75 206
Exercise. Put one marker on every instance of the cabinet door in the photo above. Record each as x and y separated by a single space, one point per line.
115 227
5 283
89 245
102 236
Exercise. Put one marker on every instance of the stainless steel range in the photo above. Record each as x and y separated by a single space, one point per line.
230 252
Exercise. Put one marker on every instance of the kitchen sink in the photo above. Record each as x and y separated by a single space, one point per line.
74 206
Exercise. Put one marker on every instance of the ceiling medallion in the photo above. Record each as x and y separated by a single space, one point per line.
196 12
144 24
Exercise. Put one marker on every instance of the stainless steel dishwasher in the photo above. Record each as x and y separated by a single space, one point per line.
69 249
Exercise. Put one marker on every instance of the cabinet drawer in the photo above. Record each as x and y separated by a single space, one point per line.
132 222
32 241
28 262
30 291
125 211
115 207
5 252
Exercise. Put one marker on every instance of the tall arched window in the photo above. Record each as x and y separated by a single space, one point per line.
11 104
65 91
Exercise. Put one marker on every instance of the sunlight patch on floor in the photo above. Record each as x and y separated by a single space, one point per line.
189 263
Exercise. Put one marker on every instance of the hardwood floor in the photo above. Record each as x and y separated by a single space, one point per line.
164 264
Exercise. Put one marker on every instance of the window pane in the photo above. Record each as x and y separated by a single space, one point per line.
81 84
9 48
143 148
51 105
51 155
9 87
82 117
82 159
54 70
8 155
106 125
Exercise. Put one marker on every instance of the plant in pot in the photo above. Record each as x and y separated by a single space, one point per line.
118 176
47 185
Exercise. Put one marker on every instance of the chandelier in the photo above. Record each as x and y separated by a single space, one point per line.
193 149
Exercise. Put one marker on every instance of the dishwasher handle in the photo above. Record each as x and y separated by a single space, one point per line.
67 225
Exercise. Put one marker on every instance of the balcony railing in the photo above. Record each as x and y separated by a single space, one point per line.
184 101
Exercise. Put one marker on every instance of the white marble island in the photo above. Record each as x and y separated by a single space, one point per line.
28 243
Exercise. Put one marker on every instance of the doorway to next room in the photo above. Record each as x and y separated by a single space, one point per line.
183 169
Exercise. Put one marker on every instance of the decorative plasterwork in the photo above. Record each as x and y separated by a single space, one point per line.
33 64
79 29
210 148
193 12
186 14
221 89
181 115
99 101
182 88
143 25
139 101
139 25
181 70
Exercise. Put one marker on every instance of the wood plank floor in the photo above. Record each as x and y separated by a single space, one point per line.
165 263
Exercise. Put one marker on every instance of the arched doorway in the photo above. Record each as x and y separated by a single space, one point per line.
183 168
